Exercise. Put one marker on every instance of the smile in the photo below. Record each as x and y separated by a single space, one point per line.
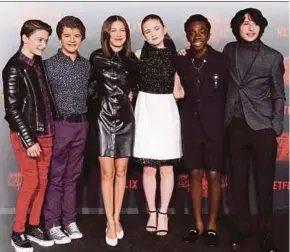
197 43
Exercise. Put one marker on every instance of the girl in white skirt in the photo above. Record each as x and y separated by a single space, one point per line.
157 132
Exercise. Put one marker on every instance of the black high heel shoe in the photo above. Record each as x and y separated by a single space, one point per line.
152 227
162 231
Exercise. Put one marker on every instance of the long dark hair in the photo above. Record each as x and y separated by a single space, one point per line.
105 35
168 42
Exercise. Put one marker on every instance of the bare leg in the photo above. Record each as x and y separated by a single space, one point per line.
149 185
121 165
214 179
196 196
166 189
107 180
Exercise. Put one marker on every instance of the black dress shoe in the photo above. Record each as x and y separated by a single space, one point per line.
238 237
267 244
236 240
192 236
211 238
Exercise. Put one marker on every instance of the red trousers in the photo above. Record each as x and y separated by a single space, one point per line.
34 172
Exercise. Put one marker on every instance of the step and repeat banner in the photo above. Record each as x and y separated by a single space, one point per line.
174 14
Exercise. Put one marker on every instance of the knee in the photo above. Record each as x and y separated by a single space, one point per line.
30 185
121 174
214 176
196 175
166 173
42 183
149 172
108 175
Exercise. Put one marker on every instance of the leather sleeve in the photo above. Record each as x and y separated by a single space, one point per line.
13 104
278 94
92 83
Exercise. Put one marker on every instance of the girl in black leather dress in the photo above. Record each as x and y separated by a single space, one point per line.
114 75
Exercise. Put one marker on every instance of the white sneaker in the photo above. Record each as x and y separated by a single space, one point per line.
58 236
73 231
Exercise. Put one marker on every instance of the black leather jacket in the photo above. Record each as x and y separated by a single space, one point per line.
24 106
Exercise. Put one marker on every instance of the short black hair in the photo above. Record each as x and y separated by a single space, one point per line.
196 17
255 14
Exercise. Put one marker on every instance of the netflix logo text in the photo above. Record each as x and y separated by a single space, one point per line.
281 185
14 179
282 32
132 184
183 182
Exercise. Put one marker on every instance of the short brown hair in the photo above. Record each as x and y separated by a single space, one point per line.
105 35
32 25
70 22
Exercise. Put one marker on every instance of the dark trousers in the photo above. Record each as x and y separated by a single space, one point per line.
258 149
66 166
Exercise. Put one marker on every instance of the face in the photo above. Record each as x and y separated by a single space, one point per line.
118 35
249 30
36 43
70 40
153 32
198 36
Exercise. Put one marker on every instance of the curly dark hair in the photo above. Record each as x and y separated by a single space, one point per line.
255 15
70 22
196 17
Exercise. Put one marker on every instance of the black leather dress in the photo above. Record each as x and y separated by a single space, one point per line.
112 78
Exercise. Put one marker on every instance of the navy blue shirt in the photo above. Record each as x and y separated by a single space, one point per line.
69 82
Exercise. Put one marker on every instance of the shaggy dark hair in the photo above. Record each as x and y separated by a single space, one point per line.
255 15
70 22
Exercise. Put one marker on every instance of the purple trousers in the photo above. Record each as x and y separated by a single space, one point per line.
66 166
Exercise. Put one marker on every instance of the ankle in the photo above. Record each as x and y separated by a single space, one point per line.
111 224
152 210
212 226
200 226
162 211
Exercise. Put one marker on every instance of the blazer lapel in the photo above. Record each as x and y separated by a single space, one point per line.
255 61
234 70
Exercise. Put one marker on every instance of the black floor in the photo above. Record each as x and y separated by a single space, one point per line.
138 240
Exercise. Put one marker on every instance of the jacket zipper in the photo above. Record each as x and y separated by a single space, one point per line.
24 105
33 92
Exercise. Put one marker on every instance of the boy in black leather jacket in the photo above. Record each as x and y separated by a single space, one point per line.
29 109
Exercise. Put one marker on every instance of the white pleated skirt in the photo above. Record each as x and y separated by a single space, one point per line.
157 128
